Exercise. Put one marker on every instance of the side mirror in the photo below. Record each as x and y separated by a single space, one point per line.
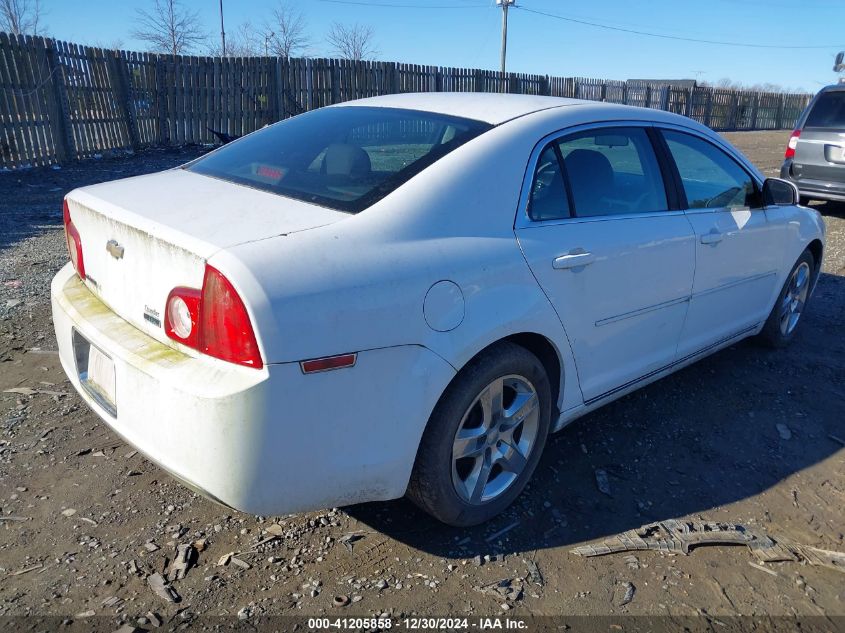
779 192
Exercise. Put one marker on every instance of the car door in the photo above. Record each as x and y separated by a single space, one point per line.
738 248
616 263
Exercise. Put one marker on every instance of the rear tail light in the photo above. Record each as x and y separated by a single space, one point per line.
181 317
793 143
73 241
213 321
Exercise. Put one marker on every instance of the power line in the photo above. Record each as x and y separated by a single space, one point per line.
667 37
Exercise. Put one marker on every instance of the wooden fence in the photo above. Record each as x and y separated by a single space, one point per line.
61 102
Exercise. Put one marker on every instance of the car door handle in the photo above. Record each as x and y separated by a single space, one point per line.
712 238
573 260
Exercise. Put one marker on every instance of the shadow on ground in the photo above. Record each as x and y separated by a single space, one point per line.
31 199
692 442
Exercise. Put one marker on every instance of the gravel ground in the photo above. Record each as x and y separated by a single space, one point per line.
748 436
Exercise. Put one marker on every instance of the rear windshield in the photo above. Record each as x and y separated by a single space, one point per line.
345 158
829 111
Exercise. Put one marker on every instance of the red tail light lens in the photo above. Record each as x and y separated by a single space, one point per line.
225 329
213 321
793 143
73 241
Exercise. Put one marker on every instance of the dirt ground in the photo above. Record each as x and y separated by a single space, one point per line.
749 436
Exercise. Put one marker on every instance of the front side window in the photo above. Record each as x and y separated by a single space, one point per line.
828 111
711 178
613 171
548 199
344 158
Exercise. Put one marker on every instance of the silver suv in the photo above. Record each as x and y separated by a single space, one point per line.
815 155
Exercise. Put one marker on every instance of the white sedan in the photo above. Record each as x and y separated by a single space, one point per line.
406 294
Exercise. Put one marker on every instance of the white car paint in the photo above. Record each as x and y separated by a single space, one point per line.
417 285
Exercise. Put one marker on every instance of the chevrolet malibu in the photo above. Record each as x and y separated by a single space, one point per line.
405 295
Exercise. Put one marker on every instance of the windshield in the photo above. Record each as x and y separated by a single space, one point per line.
345 158
829 111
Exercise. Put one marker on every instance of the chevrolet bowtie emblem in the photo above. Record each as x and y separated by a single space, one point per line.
114 249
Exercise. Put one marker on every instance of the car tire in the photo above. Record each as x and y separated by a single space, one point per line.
468 436
791 303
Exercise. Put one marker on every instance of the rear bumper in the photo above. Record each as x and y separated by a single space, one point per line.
815 189
269 441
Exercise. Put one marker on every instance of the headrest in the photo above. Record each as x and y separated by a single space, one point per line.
346 160
587 166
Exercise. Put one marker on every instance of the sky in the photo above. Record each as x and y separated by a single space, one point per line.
467 33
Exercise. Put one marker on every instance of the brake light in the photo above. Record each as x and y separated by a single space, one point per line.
213 321
73 241
793 143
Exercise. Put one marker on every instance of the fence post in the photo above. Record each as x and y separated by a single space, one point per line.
280 86
395 83
335 80
59 112
479 80
754 109
119 78
708 109
161 101
735 112
546 87
667 92
603 90
780 112
688 105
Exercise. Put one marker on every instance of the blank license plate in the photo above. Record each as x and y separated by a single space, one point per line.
96 373
101 373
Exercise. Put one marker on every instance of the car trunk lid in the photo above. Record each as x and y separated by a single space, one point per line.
141 237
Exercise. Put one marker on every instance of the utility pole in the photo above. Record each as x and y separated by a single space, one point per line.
222 30
505 4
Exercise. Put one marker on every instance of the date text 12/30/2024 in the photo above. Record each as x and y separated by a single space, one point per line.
419 624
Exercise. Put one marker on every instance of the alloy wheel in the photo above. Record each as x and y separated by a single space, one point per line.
495 438
792 304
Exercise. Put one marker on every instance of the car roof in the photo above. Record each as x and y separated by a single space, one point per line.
492 108
834 88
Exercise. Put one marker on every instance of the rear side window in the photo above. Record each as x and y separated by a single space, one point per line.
828 111
710 177
345 158
548 199
612 171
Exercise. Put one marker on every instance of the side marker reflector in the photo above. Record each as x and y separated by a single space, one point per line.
327 364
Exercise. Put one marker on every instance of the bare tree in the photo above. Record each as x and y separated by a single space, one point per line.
352 42
20 17
116 44
288 31
169 28
247 41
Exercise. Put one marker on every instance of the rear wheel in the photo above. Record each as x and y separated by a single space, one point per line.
484 438
783 321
